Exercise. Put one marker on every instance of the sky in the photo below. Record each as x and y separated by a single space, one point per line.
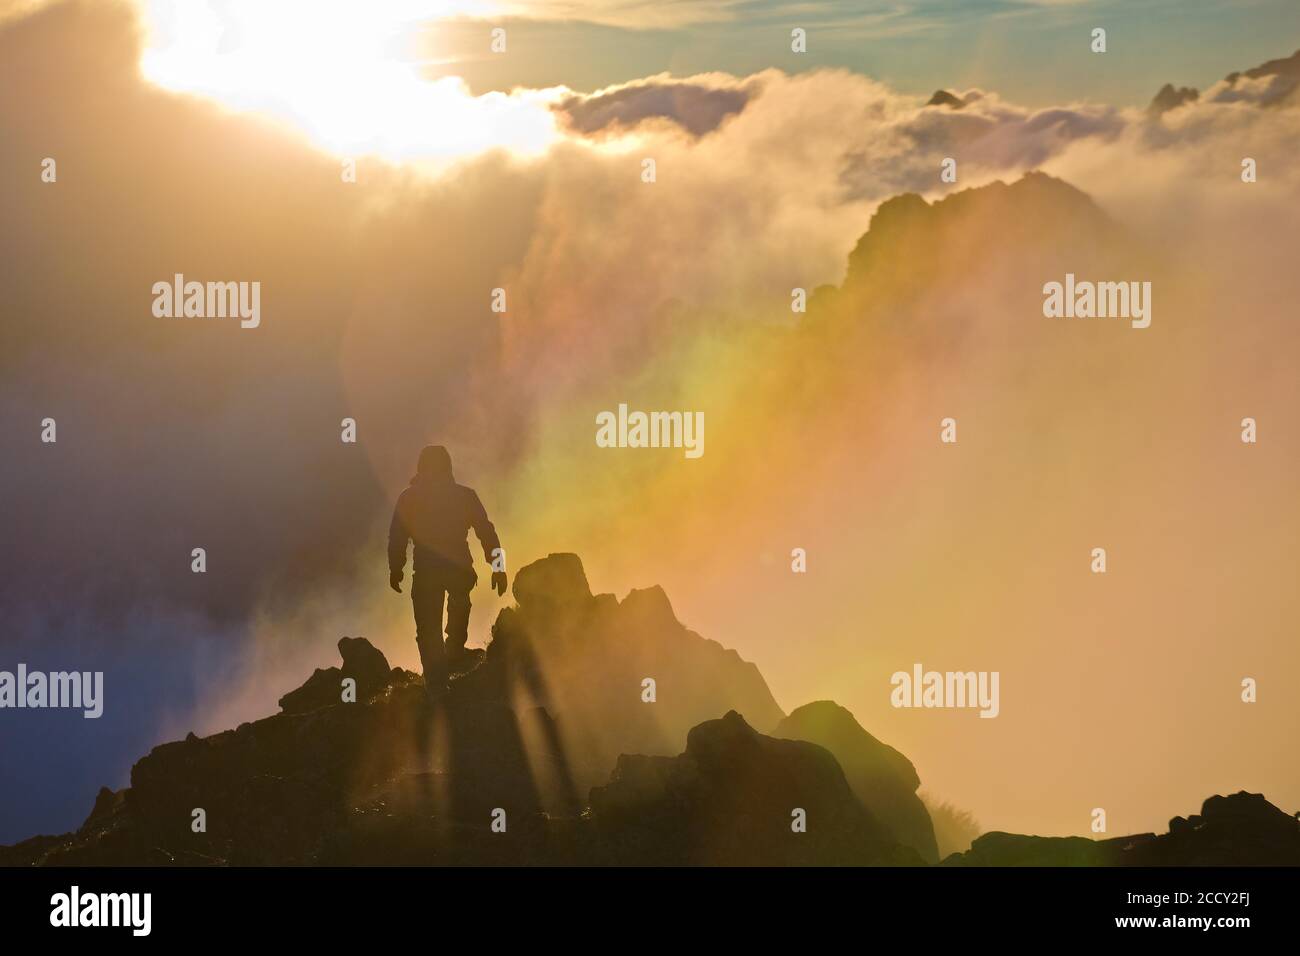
211 140
1034 51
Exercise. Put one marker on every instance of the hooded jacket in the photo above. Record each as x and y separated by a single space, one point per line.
437 514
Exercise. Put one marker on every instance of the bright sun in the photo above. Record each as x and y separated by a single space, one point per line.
341 70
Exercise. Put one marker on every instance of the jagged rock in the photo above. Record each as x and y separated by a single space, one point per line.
107 803
362 661
1283 76
32 851
1169 98
1015 218
1243 829
274 790
944 98
585 657
1013 849
557 582
881 777
1274 84
729 799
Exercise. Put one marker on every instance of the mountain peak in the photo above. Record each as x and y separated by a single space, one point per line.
906 229
1169 98
944 98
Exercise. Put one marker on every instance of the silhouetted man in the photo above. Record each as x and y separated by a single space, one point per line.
436 513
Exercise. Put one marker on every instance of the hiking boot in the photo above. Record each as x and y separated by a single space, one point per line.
462 660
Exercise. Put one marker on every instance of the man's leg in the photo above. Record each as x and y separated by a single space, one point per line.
457 622
427 597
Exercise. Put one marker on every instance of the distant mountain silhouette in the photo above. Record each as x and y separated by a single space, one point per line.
388 780
1284 79
907 229
1168 98
944 98
1281 90
917 253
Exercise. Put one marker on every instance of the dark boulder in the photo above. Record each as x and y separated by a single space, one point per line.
362 661
882 778
1242 829
732 798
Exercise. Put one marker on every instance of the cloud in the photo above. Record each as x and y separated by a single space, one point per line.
987 136
695 107
1271 84
633 14
893 18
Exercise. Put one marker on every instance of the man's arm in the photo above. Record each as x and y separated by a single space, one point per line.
398 537
487 537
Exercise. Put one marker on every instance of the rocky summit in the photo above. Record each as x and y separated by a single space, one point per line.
550 752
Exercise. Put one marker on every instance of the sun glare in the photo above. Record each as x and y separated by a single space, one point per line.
343 71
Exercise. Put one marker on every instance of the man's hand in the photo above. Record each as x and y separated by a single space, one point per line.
499 582
395 581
